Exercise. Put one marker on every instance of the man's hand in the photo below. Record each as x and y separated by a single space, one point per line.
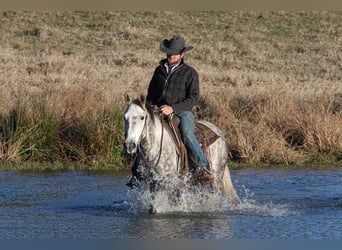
166 110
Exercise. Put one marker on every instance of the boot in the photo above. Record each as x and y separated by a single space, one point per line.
204 176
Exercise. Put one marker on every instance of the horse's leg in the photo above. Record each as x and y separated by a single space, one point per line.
138 173
152 210
153 188
174 196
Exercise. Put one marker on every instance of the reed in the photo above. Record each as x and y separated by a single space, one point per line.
28 131
270 80
32 132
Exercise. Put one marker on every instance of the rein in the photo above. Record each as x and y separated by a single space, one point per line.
146 161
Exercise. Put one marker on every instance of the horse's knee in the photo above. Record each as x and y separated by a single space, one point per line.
174 196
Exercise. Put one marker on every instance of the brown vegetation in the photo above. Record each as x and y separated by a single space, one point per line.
270 81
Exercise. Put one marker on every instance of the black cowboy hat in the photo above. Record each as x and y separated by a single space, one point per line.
174 46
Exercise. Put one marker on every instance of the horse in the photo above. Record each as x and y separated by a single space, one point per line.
146 137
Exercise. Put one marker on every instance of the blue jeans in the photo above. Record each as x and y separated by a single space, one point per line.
187 127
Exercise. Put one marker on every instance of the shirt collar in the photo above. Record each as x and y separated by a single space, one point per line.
166 65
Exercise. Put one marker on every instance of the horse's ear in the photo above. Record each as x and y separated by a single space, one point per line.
142 99
127 98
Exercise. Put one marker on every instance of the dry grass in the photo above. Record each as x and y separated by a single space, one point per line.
270 81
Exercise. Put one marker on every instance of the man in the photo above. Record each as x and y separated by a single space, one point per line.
174 88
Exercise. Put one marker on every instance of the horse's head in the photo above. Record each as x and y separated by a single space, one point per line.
135 115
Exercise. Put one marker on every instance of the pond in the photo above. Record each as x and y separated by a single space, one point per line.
276 204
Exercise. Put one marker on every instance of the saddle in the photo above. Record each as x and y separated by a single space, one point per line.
204 135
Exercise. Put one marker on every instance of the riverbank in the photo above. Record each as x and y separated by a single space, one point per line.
270 80
57 167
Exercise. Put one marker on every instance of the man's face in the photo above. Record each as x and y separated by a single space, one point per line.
174 59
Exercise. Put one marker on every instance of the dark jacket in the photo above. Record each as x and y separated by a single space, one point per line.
179 89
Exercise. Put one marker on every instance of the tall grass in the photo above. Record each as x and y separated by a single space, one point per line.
32 131
274 128
270 80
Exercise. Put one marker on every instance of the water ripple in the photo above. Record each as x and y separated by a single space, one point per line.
292 204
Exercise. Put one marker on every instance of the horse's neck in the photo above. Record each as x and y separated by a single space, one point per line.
156 140
152 136
159 149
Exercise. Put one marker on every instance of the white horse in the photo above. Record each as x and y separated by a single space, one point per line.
146 136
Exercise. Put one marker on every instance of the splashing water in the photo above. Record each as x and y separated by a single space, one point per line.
250 206
202 200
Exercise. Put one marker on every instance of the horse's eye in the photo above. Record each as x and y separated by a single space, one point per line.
142 118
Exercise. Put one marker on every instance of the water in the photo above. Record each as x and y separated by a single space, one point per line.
276 204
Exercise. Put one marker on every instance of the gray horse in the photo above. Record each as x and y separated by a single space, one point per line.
146 137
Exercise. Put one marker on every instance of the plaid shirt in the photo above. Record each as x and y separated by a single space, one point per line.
180 88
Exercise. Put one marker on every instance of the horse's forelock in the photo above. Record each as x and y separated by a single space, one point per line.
137 102
145 106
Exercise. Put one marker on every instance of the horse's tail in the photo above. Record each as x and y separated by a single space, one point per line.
227 186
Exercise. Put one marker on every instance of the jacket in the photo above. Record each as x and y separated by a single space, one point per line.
179 89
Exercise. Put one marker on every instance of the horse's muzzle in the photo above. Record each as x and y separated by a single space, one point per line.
131 148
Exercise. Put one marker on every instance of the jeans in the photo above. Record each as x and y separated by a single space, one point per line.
187 127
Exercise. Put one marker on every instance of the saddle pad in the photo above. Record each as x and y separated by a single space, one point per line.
205 135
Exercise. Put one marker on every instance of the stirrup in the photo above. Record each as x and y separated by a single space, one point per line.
204 176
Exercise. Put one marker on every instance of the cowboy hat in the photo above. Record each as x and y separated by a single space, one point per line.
174 46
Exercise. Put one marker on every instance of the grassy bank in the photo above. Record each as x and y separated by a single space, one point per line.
270 81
